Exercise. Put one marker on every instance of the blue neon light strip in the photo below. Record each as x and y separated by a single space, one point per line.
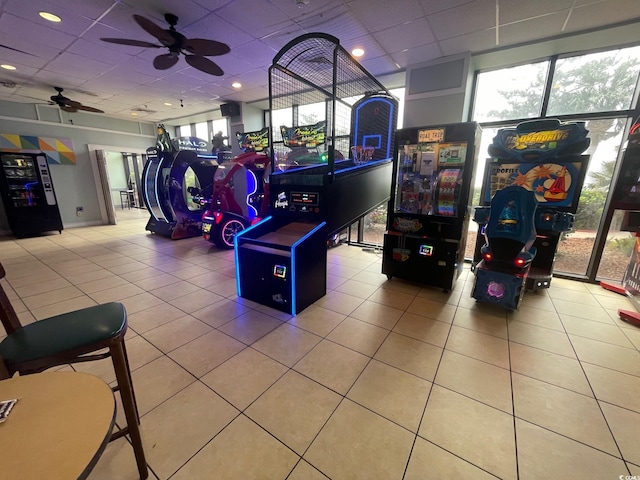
235 250
252 184
155 186
293 265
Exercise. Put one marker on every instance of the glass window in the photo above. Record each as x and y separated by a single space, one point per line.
510 93
185 130
598 82
312 113
279 118
202 131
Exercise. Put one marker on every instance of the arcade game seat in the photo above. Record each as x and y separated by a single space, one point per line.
508 252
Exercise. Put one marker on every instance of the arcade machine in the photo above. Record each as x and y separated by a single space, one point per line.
177 170
543 157
626 196
27 194
240 191
428 214
281 261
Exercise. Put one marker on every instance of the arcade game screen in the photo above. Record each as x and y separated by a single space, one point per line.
429 175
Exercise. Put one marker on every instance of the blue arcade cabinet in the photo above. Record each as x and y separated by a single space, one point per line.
543 160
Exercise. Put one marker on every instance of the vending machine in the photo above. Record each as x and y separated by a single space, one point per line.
429 209
27 194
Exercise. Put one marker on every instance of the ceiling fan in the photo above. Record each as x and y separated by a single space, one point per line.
69 105
195 50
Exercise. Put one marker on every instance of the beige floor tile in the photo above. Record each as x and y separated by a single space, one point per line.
493 323
28 280
172 439
220 313
563 283
250 326
339 451
41 287
632 334
130 266
118 462
140 302
544 454
432 309
402 286
195 301
435 293
539 300
101 284
294 409
392 298
536 316
422 328
175 290
153 317
588 312
143 273
392 393
479 380
582 297
334 281
430 462
226 288
242 450
480 346
595 331
376 314
339 302
633 469
549 367
542 338
317 320
464 426
287 344
356 288
359 336
625 426
244 377
304 471
371 277
54 296
411 355
614 387
176 333
205 353
332 365
158 381
116 294
625 360
562 411
69 305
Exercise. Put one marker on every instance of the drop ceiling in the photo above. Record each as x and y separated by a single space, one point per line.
120 79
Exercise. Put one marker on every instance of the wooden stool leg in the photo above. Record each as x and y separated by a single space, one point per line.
128 404
133 392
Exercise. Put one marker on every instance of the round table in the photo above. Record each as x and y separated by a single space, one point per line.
59 427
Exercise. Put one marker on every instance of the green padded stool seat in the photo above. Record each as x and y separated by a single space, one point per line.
69 331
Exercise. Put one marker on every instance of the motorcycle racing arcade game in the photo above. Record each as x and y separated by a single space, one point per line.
176 171
543 158
240 191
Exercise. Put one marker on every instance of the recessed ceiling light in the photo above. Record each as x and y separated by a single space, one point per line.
8 67
236 84
135 114
50 16
357 52
167 104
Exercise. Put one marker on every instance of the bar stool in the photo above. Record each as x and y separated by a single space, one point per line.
74 337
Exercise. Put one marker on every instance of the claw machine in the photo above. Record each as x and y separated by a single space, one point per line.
430 206
27 194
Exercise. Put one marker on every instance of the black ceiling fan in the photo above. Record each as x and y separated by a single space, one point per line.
195 50
69 105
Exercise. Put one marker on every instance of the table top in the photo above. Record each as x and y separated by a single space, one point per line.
58 428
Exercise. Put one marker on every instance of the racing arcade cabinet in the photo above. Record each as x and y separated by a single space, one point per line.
428 216
177 170
282 261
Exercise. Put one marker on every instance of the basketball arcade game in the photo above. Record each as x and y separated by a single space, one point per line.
240 191
543 158
429 210
282 261
177 170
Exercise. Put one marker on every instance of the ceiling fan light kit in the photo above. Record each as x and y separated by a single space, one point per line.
195 50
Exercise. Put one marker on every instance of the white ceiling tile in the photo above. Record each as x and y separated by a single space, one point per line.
470 17
473 42
430 7
412 34
419 54
524 31
517 10
256 18
377 15
595 14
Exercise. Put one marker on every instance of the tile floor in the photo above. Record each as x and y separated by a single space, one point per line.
378 380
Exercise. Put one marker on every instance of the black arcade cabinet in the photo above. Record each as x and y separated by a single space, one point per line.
176 171
428 217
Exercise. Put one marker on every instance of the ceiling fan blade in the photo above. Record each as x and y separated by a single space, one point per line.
204 47
204 65
133 43
16 50
162 62
154 30
68 108
89 109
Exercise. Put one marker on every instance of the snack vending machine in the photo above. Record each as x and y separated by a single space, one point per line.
429 209
27 194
